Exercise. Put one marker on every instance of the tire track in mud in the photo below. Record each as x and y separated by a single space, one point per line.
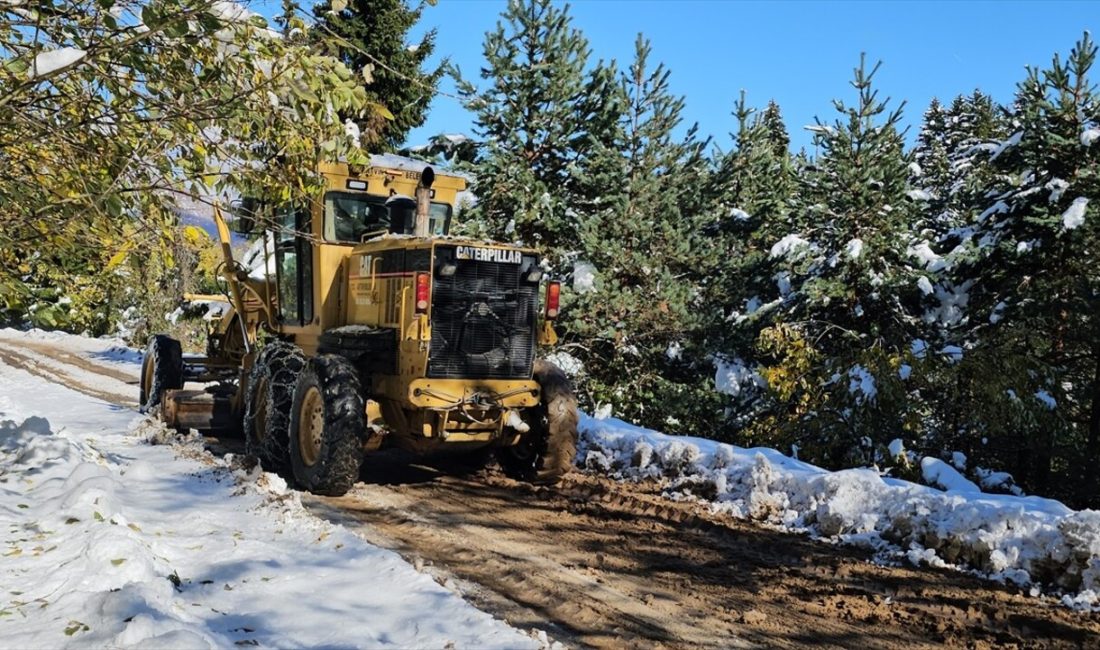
56 373
599 563
64 356
604 564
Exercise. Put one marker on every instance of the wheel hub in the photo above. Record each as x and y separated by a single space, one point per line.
311 426
147 378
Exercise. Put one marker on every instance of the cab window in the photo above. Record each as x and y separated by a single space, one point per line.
294 266
352 217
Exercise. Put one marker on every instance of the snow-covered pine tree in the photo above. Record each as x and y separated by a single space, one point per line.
540 113
930 173
975 125
635 320
1031 253
949 170
964 136
372 41
840 322
752 188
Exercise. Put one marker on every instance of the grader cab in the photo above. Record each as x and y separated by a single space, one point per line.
366 325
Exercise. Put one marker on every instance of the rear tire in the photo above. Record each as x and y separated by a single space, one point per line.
161 370
327 425
545 453
270 398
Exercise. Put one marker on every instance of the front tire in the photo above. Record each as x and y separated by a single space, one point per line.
546 451
270 398
161 370
327 423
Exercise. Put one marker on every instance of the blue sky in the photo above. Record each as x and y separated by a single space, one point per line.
799 53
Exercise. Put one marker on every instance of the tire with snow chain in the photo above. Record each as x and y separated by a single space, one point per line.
327 425
267 410
161 370
546 451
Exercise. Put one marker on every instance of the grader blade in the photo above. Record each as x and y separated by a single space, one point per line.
203 410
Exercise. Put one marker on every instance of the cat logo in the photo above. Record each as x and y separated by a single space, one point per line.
500 256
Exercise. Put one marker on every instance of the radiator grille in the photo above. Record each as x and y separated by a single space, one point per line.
483 320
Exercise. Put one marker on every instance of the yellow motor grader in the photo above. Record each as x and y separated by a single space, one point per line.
367 325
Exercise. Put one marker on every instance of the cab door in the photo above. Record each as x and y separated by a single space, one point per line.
294 266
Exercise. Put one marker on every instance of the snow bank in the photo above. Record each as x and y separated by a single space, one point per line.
109 541
1028 540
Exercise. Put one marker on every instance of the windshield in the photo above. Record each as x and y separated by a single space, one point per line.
349 216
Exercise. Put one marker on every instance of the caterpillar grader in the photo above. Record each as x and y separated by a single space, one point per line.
368 326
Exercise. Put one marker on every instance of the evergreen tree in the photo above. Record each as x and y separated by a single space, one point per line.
371 40
1030 256
638 328
838 322
752 187
931 172
949 169
772 122
541 115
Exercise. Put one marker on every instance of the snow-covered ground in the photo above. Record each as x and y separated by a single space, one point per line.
1027 540
119 534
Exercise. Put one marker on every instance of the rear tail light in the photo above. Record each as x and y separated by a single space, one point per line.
553 298
423 292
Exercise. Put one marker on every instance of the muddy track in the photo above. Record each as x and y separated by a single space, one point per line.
602 564
11 355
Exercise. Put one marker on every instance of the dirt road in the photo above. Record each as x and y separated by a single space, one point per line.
602 564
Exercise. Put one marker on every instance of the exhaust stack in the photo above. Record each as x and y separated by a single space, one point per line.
424 202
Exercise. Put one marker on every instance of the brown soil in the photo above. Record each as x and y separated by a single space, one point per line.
603 564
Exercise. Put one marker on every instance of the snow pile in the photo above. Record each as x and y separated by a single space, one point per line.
938 473
737 214
1028 540
790 246
732 376
567 363
584 277
1011 142
51 61
927 257
854 248
1088 136
953 300
861 384
1074 215
109 541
